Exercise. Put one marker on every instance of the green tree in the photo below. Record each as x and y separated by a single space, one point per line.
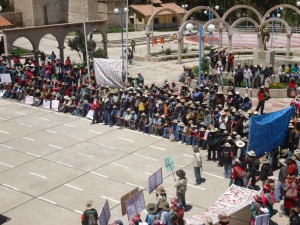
4 4
78 44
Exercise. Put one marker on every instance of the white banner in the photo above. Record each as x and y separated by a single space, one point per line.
234 199
109 72
55 104
90 114
46 103
29 100
5 78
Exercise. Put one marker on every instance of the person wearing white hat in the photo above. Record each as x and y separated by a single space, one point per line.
283 173
89 215
253 165
227 155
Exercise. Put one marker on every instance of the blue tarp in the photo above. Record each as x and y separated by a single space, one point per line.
269 131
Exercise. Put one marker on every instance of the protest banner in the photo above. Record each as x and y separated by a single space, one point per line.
29 100
46 103
125 198
104 215
262 220
5 78
109 72
234 199
90 114
54 105
272 127
155 180
135 204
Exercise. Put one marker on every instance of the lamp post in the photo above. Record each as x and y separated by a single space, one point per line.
85 43
184 6
210 17
122 12
211 28
298 3
126 75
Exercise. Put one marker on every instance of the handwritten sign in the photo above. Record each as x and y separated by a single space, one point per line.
46 103
90 114
125 198
29 100
54 105
169 163
135 205
5 78
104 215
155 180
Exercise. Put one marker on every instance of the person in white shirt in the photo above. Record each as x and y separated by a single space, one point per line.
197 162
247 77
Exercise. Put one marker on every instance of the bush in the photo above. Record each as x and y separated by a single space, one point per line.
168 51
276 85
184 50
204 66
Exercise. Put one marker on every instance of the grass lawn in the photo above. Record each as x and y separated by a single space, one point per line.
20 51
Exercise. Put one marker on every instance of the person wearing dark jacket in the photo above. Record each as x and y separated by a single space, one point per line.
266 170
227 154
295 216
283 172
90 214
214 140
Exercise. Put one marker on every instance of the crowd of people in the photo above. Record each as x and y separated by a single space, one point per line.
203 116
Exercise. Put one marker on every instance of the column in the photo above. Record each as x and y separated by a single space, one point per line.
220 38
288 49
259 41
148 46
61 53
104 43
36 55
230 41
179 51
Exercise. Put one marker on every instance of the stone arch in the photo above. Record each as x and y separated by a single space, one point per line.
10 42
191 11
217 20
242 7
54 35
163 10
282 21
240 20
278 6
150 22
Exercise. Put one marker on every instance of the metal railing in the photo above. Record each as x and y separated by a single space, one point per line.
277 28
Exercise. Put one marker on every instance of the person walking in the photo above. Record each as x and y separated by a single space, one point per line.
197 162
265 171
238 173
181 186
95 107
252 164
226 159
90 215
263 96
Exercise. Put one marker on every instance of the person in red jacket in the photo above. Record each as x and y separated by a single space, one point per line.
292 169
95 107
262 97
179 209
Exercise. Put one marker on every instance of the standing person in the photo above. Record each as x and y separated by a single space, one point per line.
268 82
90 215
181 186
230 60
166 214
292 168
265 171
161 197
238 76
248 77
295 216
133 45
179 210
268 199
197 161
291 194
96 107
281 73
283 172
226 159
152 213
253 164
223 56
238 173
263 96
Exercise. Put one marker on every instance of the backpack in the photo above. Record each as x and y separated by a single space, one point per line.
92 220
173 216
240 173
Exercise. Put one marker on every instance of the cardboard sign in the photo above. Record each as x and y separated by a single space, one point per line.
169 163
155 180
135 205
29 100
104 215
46 103
54 105
90 114
125 198
5 78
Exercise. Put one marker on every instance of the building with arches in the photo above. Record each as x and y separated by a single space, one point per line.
48 12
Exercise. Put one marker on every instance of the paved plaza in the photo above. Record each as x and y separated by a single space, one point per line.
52 163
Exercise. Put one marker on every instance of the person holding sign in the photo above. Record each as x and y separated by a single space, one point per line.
90 215
181 186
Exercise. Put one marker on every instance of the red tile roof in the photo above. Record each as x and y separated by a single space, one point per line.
146 10
4 22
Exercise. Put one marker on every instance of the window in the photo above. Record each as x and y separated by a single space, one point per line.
140 19
174 19
156 20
